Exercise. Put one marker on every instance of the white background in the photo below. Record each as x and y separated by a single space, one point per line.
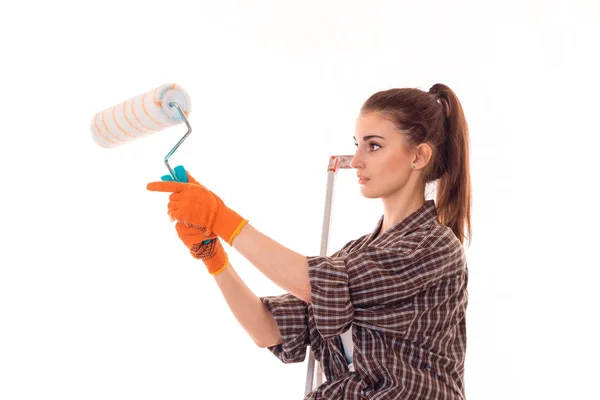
100 300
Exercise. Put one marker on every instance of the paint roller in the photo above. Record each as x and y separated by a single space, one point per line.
143 115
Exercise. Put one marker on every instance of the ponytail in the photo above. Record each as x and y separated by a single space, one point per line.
453 201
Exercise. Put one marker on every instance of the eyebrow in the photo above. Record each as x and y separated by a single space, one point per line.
370 137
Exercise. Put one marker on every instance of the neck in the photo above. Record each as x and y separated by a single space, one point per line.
400 206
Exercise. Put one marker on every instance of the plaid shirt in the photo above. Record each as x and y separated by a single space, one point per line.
404 293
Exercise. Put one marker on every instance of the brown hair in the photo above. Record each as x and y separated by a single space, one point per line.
435 117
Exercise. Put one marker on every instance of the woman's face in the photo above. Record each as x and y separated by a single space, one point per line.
382 158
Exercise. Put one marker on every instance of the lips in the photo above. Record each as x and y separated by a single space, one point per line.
362 179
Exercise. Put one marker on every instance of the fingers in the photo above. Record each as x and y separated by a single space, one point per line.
192 229
191 235
188 202
185 231
181 227
196 193
166 186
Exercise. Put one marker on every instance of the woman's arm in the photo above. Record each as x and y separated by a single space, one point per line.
248 309
284 267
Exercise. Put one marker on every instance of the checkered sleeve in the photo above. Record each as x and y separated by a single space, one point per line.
291 315
330 297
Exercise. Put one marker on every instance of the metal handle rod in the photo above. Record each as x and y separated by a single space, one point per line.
189 130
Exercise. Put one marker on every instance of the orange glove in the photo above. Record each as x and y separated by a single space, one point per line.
206 248
193 204
211 252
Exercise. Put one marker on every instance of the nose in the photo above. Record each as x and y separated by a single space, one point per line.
357 161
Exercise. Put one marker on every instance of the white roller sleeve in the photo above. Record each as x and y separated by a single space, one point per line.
140 116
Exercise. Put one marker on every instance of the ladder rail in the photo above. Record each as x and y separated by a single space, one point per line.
314 372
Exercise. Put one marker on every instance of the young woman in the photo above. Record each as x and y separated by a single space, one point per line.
385 315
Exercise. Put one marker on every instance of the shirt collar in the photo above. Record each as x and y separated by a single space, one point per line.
423 216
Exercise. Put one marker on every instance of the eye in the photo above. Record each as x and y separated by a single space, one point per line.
374 146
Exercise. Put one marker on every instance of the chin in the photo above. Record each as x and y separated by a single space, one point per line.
369 194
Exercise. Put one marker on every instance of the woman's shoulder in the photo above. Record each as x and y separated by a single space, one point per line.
430 237
352 245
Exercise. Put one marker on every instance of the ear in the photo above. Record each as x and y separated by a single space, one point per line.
422 155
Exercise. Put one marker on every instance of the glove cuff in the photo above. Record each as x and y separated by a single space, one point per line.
229 225
217 263
237 231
